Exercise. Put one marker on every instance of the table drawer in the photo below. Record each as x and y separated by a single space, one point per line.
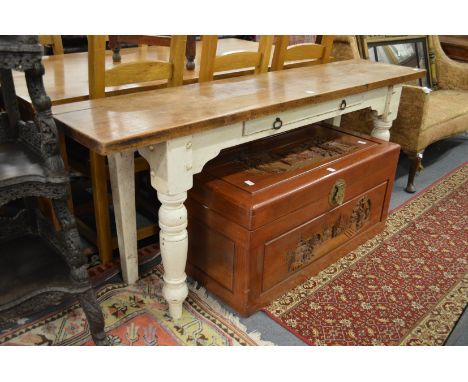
301 116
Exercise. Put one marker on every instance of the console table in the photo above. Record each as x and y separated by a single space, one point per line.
178 130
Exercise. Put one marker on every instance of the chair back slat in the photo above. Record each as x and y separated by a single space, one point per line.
210 63
236 60
141 71
299 51
304 54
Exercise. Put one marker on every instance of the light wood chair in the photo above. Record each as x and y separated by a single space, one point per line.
210 63
101 77
292 56
55 41
132 72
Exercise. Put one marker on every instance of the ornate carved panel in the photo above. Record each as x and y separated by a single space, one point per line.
305 250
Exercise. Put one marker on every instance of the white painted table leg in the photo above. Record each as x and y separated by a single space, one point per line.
121 168
381 128
384 118
172 176
173 240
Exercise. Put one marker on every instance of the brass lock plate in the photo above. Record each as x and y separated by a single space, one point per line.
337 193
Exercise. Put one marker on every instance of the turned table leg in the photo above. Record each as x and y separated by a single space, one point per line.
383 118
173 240
121 169
171 173
381 128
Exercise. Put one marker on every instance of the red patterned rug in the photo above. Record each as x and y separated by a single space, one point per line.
406 286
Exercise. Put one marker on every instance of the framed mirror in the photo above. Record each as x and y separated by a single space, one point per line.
411 51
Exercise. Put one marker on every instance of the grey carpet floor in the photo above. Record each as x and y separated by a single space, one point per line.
439 159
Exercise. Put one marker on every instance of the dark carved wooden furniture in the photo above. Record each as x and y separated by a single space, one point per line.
116 40
38 265
266 215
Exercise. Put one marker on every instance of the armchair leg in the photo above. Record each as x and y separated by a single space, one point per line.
415 165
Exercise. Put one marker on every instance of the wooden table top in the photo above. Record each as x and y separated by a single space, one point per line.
66 75
128 121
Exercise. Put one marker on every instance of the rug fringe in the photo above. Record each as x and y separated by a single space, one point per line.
202 293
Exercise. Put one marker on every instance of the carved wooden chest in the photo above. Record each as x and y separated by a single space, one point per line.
266 215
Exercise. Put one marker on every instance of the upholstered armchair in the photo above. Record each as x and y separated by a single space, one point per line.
424 116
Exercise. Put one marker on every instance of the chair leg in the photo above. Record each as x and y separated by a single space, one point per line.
76 261
114 45
101 206
415 165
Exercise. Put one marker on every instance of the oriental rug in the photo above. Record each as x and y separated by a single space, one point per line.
137 315
406 286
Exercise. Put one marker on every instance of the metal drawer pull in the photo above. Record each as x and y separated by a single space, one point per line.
277 123
343 105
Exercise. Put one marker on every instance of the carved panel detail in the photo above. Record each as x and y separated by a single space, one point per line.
305 250
297 156
19 191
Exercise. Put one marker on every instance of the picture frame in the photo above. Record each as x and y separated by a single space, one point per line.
412 51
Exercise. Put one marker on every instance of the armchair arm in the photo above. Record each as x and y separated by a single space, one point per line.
407 127
450 74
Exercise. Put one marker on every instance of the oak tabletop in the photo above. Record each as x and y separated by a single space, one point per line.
66 75
129 121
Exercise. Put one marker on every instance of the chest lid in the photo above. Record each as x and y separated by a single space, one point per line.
258 182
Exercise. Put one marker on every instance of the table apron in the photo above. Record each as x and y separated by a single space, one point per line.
206 145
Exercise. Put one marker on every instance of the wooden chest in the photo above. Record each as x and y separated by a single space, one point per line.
266 215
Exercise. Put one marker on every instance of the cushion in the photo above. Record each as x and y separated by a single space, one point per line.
443 106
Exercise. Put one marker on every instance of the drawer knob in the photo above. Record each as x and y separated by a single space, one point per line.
343 105
277 123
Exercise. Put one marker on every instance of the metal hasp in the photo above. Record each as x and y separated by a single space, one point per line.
337 193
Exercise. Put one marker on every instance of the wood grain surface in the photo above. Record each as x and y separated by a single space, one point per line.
66 76
129 121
